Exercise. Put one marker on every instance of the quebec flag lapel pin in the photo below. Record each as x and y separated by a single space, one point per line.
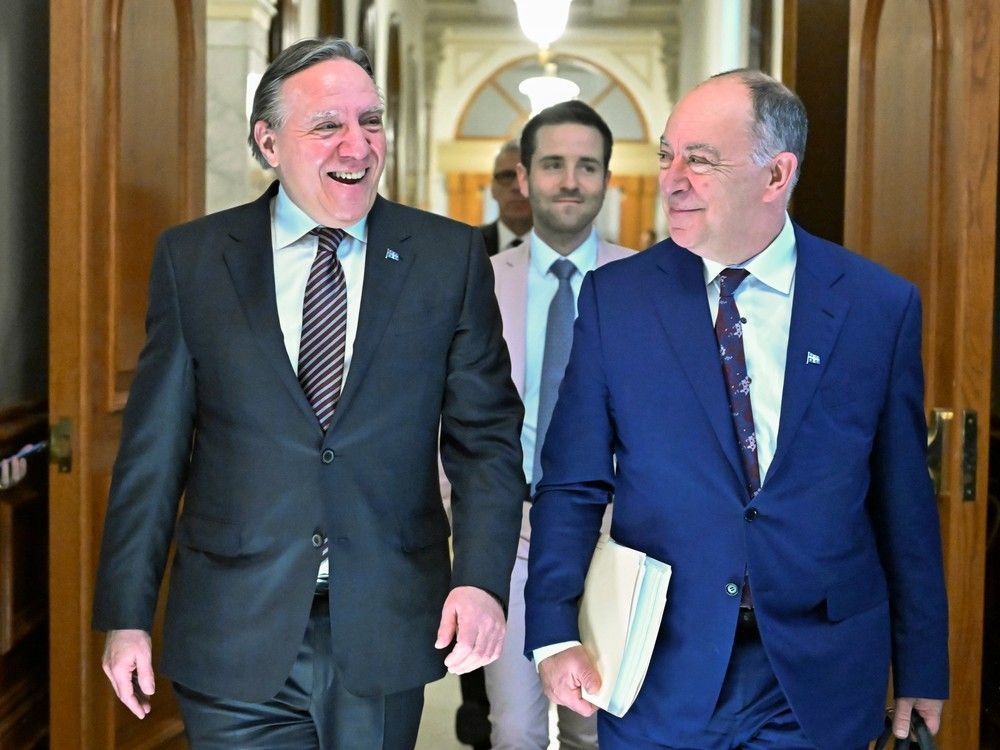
391 254
812 359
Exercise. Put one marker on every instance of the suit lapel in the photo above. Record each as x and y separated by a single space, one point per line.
388 260
250 260
681 302
511 269
818 313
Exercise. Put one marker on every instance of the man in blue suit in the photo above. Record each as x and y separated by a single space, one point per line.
776 459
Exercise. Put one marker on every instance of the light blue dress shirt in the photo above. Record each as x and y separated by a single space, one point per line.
542 287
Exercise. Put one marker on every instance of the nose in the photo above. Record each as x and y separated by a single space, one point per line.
354 143
674 178
568 180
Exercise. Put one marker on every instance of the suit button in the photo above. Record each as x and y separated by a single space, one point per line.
751 514
317 540
732 589
328 456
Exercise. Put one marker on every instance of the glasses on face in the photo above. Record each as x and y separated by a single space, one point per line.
505 177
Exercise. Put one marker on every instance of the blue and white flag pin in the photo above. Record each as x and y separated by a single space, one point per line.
812 359
391 254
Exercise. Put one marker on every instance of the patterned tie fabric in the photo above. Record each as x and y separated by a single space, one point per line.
558 341
324 327
729 333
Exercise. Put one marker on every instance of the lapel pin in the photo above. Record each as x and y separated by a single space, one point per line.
391 254
812 359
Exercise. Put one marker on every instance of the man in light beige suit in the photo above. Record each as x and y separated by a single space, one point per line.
565 153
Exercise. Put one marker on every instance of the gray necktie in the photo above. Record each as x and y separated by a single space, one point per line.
558 340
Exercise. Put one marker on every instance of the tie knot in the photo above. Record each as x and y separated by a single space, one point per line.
516 242
562 269
329 238
730 279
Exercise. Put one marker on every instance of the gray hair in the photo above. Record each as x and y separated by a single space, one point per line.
779 119
267 104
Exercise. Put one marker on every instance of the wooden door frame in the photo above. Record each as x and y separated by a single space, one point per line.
83 90
962 234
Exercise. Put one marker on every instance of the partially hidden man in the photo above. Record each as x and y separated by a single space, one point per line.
753 397
302 351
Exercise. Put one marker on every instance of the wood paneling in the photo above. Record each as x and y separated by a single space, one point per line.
127 160
24 699
814 64
921 198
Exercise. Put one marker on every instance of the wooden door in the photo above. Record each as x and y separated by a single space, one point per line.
126 160
920 198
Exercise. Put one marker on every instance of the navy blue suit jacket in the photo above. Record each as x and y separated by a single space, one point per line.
844 552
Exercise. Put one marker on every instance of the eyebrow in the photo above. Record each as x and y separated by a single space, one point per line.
695 147
335 113
702 147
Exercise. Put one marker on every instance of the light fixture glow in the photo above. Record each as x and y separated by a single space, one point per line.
543 21
544 91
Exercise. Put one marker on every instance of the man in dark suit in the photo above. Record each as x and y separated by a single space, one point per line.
777 460
514 222
302 353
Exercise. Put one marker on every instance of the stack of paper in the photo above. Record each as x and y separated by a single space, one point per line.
620 613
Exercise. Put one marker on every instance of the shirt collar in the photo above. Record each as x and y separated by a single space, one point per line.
584 257
506 235
774 266
291 223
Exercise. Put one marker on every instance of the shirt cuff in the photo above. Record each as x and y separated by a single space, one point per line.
544 652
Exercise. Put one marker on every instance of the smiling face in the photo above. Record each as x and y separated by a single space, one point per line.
566 183
329 151
720 204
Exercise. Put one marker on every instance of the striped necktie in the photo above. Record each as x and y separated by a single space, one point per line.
324 327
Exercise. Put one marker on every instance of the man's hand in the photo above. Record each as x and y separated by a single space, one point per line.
474 620
565 673
928 708
128 652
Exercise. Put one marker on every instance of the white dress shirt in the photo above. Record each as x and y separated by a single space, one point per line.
764 299
294 250
542 287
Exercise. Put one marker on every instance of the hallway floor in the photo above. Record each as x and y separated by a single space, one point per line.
437 727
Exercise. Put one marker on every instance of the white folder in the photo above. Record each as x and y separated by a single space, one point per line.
620 613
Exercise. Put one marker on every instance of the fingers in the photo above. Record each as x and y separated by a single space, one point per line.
566 674
901 717
446 630
474 619
128 664
478 644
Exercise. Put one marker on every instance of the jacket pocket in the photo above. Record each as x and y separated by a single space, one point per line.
209 535
423 530
855 595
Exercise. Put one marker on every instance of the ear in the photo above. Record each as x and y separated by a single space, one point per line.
522 179
266 141
782 169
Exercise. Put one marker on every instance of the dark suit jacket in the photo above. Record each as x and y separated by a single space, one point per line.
842 543
216 412
491 235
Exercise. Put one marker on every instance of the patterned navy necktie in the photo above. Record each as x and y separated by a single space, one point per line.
729 333
324 327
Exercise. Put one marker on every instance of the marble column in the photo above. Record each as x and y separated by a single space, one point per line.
714 36
236 56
